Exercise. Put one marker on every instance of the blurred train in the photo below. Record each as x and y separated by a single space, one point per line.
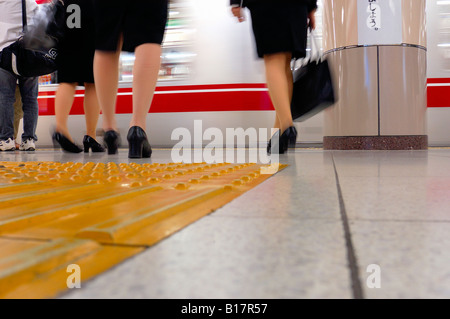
210 72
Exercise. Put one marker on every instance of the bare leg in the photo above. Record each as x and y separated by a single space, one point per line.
276 125
145 76
106 73
63 104
279 83
289 77
91 109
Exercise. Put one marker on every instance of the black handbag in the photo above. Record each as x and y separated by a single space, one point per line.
313 86
32 57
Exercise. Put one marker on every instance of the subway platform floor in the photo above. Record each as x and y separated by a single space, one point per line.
333 224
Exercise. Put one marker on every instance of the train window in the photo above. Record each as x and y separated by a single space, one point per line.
177 48
444 32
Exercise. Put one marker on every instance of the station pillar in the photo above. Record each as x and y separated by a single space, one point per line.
377 53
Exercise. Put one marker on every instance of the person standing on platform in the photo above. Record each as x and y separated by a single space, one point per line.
280 31
134 26
10 30
76 67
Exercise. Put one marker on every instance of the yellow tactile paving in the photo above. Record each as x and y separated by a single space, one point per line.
53 214
23 261
36 269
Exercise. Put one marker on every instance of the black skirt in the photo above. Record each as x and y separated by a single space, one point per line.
139 21
280 28
76 50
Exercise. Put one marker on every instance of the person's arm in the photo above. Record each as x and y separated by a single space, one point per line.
237 10
312 19
312 7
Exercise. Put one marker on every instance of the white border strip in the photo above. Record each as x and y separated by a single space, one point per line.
438 84
212 91
175 92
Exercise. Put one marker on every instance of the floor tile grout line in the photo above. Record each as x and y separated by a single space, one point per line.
352 260
385 220
287 218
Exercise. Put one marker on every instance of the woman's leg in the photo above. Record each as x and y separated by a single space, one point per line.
289 77
91 109
280 85
106 74
63 104
145 76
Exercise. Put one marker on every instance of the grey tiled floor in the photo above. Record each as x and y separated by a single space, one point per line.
310 231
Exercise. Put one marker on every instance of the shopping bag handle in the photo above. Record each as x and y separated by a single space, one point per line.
314 56
315 50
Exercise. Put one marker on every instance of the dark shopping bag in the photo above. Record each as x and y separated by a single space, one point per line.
313 87
34 54
21 61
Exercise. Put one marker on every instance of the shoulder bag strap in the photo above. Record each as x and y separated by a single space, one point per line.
24 16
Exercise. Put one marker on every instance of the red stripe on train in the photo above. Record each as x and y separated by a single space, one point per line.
176 99
438 80
438 92
215 98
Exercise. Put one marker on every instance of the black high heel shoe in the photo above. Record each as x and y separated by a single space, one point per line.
139 146
91 143
273 141
291 136
65 143
280 144
111 140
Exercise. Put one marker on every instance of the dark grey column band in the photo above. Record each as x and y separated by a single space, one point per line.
376 45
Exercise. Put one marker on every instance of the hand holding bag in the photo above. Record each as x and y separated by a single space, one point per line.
313 86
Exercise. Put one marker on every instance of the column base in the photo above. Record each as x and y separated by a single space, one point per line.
410 142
